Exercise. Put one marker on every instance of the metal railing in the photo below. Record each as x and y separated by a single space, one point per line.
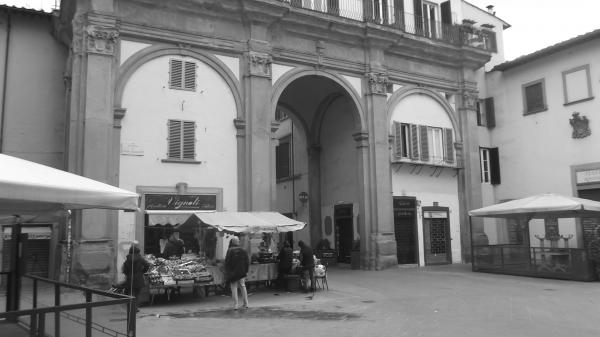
383 13
35 317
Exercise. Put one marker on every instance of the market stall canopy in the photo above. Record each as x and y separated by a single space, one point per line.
28 187
250 222
541 206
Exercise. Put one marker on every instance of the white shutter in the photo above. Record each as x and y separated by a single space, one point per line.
174 139
189 140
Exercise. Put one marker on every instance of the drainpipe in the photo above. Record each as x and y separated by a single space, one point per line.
5 80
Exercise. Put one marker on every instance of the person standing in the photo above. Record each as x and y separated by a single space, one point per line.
134 268
174 246
237 263
284 265
307 261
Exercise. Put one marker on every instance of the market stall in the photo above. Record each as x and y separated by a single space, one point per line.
541 235
201 266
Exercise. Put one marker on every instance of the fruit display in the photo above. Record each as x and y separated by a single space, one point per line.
171 271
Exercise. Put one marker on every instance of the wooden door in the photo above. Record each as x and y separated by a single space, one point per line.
436 235
405 229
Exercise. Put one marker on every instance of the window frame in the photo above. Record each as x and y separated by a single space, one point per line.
182 137
484 160
524 87
184 78
590 96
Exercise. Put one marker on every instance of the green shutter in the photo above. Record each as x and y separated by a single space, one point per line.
189 140
494 166
424 146
190 76
174 139
176 74
449 147
490 115
414 142
397 140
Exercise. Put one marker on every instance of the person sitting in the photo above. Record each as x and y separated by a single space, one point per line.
174 247
307 261
284 264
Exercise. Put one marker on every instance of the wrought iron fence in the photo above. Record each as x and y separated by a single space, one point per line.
383 13
51 312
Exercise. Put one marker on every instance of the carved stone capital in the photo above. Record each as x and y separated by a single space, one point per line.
101 40
378 83
469 100
260 64
275 126
118 114
240 126
361 139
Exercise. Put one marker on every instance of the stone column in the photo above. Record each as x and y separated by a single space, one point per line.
257 88
314 194
379 193
468 177
92 142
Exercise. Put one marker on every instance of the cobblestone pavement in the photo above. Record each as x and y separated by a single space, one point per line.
431 301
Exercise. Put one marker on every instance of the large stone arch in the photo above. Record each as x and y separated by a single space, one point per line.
412 90
284 81
145 55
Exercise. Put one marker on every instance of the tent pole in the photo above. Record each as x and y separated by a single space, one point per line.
69 243
14 283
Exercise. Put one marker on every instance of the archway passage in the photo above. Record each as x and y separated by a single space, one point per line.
317 161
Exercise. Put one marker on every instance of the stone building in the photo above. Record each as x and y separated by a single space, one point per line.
192 103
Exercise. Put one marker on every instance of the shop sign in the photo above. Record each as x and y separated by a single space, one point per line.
33 233
435 214
181 202
588 176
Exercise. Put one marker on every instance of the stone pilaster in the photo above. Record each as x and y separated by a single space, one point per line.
381 243
314 193
93 142
468 177
258 179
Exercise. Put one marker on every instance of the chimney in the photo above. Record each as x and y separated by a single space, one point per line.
490 9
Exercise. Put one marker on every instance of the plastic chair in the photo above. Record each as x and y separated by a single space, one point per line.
322 279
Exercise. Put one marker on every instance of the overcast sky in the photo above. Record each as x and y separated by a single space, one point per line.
535 23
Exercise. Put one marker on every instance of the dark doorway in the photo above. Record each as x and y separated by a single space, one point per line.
436 235
405 228
589 224
344 234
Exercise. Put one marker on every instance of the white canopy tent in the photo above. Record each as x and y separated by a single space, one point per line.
30 188
541 206
237 222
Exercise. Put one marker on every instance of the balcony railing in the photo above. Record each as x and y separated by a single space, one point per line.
384 13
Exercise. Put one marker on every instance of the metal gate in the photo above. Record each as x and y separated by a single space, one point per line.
436 234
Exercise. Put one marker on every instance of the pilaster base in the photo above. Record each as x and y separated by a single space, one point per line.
385 251
93 263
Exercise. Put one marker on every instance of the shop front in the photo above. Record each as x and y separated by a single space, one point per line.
187 248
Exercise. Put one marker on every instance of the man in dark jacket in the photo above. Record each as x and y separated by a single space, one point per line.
307 261
174 246
284 258
134 268
237 263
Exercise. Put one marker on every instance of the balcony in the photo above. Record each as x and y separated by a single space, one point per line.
383 13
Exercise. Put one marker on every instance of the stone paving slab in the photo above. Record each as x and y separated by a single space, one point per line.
432 301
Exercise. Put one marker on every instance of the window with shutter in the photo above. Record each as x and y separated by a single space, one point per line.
182 140
494 166
424 145
484 161
479 112
449 147
397 140
182 75
534 97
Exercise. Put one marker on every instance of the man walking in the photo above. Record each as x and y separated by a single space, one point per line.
237 263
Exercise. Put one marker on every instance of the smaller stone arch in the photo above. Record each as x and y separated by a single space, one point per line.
286 79
412 90
147 54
